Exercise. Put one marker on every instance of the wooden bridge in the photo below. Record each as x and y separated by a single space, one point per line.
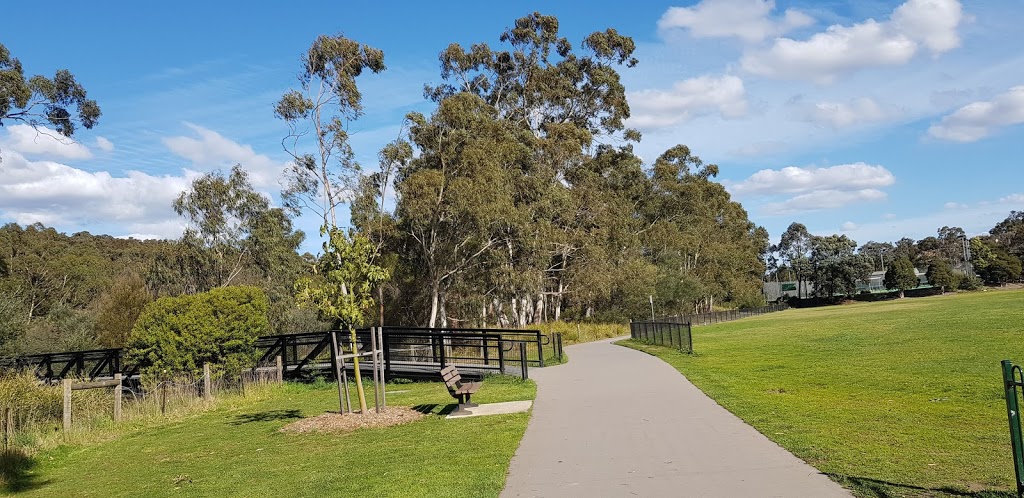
412 353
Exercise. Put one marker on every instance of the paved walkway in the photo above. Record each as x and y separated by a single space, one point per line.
618 422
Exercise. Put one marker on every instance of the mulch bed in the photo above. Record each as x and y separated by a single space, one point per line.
333 422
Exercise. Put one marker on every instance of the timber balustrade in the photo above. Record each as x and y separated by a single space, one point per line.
409 352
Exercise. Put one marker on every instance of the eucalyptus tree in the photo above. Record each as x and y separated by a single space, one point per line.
455 197
795 248
60 101
222 212
707 235
321 110
562 98
836 267
901 276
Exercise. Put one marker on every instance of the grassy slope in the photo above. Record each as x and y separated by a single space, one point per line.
237 451
899 398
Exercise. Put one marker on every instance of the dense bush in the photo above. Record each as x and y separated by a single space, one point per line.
176 335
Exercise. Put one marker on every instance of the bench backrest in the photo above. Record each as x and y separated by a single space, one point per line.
451 377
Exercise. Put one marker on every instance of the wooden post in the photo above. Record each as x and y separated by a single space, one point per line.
376 377
383 378
163 397
67 404
338 372
117 398
280 370
207 383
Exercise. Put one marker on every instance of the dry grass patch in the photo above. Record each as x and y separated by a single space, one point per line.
334 422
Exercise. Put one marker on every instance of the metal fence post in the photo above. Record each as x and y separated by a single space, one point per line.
522 360
1013 414
501 356
540 350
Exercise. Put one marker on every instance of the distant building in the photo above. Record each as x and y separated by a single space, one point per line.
775 290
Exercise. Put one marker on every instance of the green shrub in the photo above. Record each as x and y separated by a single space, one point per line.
176 335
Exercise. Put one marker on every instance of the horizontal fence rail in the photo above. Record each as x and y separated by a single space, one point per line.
677 331
672 334
409 352
725 316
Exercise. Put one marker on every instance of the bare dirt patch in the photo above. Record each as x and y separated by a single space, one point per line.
333 422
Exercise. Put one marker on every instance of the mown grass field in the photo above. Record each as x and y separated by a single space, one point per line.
898 398
237 451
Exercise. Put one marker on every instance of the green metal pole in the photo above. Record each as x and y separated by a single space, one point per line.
1013 414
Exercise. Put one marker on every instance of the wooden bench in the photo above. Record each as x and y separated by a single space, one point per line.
459 390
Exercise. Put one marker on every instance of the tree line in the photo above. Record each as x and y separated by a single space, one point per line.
517 200
950 259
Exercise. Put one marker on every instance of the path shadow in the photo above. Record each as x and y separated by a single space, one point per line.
435 408
16 472
267 416
885 489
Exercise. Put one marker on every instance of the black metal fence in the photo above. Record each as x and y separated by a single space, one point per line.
409 352
90 365
725 316
672 334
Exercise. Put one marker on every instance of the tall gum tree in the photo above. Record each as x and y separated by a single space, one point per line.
563 98
321 110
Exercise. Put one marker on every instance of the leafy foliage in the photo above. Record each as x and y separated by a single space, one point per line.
39 101
901 276
341 287
178 334
940 274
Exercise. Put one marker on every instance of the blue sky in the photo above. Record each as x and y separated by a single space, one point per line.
875 119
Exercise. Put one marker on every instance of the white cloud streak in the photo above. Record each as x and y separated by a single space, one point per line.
823 199
53 193
749 20
42 142
105 145
211 150
978 120
686 99
839 115
842 49
793 180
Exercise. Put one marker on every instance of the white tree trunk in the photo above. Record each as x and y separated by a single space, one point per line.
433 305
538 315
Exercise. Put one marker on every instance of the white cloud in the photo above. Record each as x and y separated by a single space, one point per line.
823 199
762 148
931 22
686 99
211 150
843 49
749 20
792 179
57 194
975 219
849 226
42 142
105 145
838 115
978 120
955 205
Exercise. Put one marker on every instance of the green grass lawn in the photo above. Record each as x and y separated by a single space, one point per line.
897 398
237 451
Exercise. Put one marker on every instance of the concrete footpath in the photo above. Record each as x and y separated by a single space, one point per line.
618 422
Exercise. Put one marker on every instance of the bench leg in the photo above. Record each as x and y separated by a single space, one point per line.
468 403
